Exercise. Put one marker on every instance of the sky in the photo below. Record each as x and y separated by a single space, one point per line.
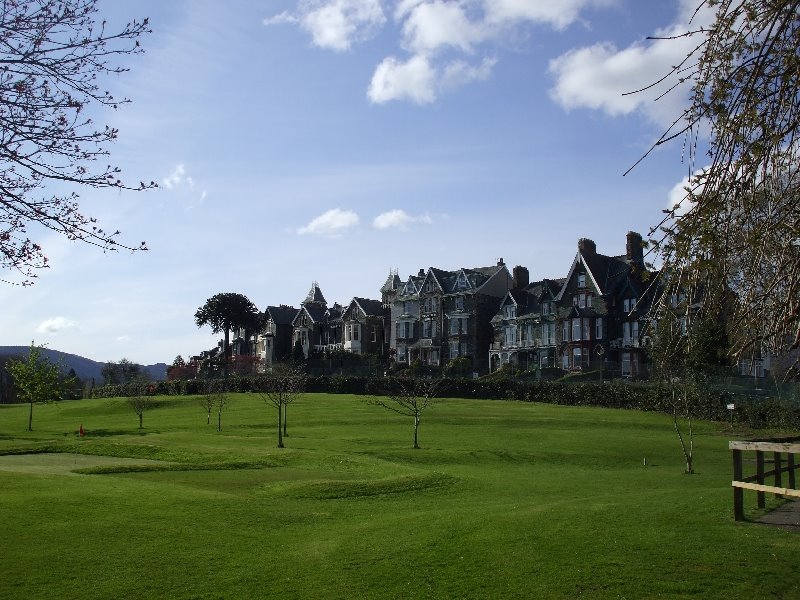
337 140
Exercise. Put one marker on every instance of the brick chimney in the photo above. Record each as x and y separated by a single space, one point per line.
587 246
634 250
521 277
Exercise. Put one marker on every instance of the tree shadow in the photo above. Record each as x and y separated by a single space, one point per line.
102 433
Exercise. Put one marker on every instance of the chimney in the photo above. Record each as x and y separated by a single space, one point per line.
634 250
587 246
500 262
421 273
521 277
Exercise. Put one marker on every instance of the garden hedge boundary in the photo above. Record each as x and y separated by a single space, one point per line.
712 404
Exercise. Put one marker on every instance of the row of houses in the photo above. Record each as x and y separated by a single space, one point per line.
593 317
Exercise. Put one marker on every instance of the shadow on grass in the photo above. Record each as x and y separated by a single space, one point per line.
104 433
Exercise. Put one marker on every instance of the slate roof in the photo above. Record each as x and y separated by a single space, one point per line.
371 308
392 283
281 315
315 295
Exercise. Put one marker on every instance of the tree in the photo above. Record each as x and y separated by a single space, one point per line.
736 232
224 312
410 398
53 54
280 388
298 354
122 372
36 379
215 395
139 397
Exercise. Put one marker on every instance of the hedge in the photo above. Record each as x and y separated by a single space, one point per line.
711 405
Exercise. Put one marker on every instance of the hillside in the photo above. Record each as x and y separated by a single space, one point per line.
85 368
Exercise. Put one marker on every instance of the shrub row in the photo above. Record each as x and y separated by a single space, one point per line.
710 404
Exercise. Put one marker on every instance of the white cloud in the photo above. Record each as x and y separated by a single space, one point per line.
434 33
597 76
331 224
678 196
412 80
557 14
398 218
280 19
335 24
432 25
55 325
177 178
460 73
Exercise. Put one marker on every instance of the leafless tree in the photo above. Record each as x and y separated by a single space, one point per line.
410 398
280 388
215 395
53 54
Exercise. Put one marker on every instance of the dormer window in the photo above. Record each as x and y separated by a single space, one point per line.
582 280
461 283
511 311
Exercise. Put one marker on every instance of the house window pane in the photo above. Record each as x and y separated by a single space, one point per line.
576 329
598 328
576 358
586 326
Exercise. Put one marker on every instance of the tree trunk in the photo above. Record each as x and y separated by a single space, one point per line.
280 426
285 407
416 429
208 417
140 420
219 419
30 418
225 352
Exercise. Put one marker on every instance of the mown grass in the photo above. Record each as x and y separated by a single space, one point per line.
504 500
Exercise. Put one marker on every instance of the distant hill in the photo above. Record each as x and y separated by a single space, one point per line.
84 367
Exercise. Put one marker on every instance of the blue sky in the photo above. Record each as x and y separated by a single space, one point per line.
334 140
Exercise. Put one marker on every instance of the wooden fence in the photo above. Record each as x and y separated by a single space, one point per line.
780 454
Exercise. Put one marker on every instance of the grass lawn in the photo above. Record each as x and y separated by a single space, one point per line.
504 500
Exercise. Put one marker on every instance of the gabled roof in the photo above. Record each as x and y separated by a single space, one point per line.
370 308
281 315
606 272
412 286
314 311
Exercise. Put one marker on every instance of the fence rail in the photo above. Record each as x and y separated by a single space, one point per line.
790 447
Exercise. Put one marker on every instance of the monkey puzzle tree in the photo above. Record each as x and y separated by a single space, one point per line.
53 54
227 311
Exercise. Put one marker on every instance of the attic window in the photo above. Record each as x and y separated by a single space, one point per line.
461 283
582 280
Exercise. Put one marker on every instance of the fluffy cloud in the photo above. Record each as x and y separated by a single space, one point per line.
413 80
556 14
55 325
335 24
430 26
677 199
440 36
398 218
331 224
597 76
177 178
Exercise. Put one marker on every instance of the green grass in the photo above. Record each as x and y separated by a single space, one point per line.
504 500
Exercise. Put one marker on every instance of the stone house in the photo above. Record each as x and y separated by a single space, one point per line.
441 315
364 327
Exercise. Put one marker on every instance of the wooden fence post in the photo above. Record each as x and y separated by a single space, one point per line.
738 493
